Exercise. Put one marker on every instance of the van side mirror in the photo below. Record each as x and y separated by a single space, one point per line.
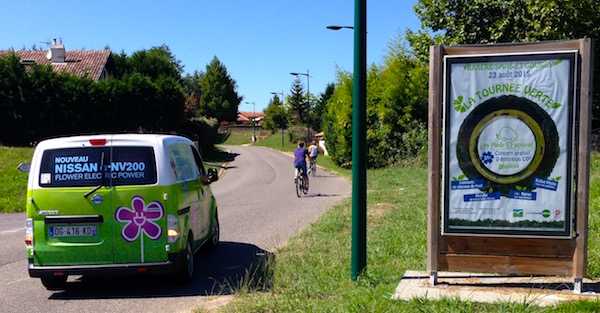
213 175
24 167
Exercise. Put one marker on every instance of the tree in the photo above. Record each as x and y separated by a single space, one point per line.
38 102
274 115
14 90
397 99
193 92
297 102
337 124
219 98
320 108
156 62
497 21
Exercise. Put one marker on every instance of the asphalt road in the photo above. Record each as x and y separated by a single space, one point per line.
258 211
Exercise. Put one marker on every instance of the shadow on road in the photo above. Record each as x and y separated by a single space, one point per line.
218 157
230 268
313 195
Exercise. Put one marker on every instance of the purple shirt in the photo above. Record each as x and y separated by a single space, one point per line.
299 155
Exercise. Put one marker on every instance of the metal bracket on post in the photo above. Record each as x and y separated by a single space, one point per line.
578 285
433 278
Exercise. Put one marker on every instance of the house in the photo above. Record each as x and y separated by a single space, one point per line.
94 64
248 117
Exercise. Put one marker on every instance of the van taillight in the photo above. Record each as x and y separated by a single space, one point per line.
29 233
172 228
98 142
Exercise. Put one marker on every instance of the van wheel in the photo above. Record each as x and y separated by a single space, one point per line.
55 282
186 273
213 242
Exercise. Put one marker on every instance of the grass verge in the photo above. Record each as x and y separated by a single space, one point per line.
13 183
312 273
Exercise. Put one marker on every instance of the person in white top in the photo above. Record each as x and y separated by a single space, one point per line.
313 153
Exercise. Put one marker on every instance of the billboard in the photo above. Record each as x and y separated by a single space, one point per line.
508 144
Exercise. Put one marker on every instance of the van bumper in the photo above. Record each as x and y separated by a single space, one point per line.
173 264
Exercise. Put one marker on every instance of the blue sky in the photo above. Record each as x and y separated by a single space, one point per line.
260 42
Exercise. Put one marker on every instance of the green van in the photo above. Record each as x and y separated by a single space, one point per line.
127 203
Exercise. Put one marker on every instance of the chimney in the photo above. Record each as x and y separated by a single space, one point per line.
56 54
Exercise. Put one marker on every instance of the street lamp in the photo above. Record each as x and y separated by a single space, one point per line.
359 139
253 120
307 103
335 27
276 93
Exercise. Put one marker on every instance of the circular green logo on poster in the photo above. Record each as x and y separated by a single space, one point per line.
506 146
508 141
546 213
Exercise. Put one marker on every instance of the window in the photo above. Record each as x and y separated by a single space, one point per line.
92 166
198 160
182 161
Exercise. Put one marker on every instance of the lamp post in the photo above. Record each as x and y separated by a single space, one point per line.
253 120
276 93
307 103
359 139
335 27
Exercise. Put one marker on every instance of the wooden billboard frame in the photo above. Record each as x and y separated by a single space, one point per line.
509 255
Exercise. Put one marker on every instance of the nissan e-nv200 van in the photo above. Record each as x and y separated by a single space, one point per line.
121 203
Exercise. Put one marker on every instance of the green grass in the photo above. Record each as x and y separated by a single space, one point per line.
13 183
312 272
274 142
235 138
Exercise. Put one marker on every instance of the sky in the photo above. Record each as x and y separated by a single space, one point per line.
260 42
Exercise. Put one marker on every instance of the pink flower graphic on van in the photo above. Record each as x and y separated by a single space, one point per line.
140 218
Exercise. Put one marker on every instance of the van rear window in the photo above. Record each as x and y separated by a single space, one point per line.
92 166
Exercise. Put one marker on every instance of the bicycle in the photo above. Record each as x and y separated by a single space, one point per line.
301 183
312 170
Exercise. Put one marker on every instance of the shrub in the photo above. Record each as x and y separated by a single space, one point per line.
297 132
202 130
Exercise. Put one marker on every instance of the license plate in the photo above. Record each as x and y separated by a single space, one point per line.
72 231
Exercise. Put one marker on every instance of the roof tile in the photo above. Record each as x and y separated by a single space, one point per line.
88 63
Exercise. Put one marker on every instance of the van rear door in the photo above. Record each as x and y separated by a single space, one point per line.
71 228
139 205
98 204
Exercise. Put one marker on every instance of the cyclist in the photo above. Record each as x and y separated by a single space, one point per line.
300 154
313 153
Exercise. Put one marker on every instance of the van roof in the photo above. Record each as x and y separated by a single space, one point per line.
114 139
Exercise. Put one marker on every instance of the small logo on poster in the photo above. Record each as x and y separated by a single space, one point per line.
487 158
518 212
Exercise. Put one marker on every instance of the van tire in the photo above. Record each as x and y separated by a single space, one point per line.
55 282
186 273
213 241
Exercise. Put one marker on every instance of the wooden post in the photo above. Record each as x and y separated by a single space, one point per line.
583 166
435 151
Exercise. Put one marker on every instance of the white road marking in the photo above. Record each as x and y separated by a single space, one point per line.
11 231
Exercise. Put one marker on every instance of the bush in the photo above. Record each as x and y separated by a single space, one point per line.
397 102
297 133
38 102
202 130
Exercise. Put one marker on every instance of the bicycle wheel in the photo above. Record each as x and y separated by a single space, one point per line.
299 187
305 185
313 168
